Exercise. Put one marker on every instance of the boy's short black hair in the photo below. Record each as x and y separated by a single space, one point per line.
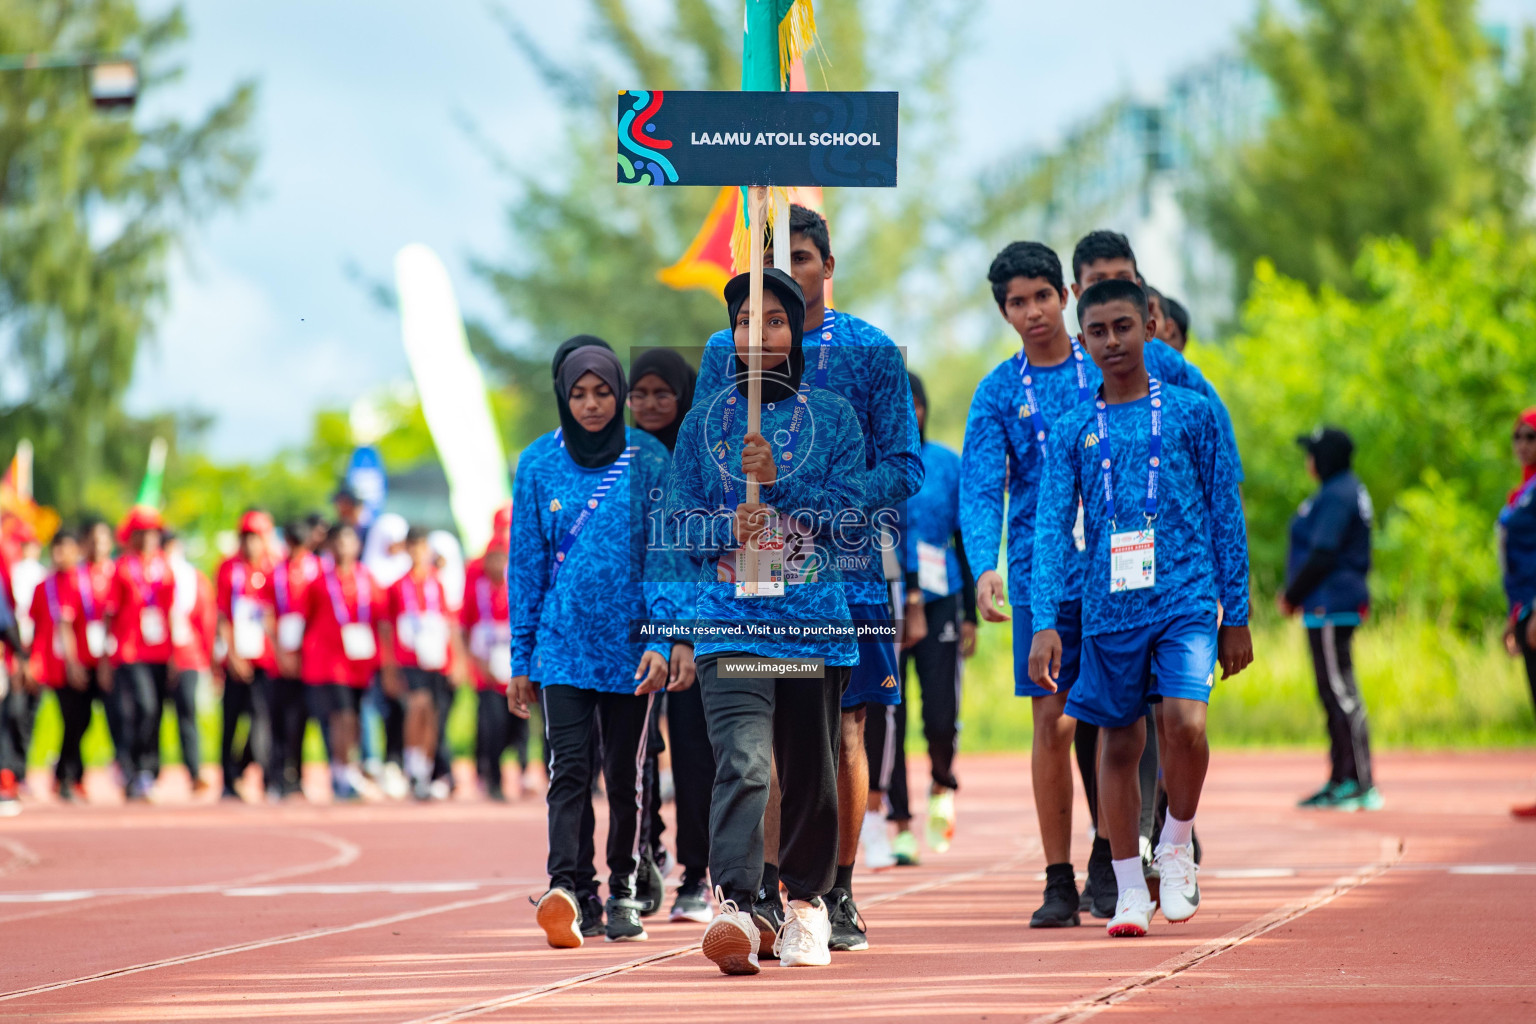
1113 290
416 535
1175 311
62 537
1101 245
1023 259
296 532
805 221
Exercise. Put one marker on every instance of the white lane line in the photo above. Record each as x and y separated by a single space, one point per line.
1084 1009
345 854
405 887
1026 851
248 947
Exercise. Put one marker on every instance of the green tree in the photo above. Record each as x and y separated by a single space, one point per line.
1393 118
585 250
92 206
1427 372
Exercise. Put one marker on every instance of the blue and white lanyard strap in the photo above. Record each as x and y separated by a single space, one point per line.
1032 404
824 348
51 591
280 586
603 487
86 586
339 604
786 439
1154 454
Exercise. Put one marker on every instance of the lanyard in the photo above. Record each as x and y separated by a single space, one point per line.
603 487
87 587
433 596
786 450
483 601
147 591
338 603
1032 404
824 349
1154 454
280 585
51 591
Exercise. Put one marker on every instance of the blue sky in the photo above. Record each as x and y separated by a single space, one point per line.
362 152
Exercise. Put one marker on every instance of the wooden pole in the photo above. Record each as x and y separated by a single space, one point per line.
756 203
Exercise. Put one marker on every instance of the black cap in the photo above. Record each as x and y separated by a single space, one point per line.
1331 449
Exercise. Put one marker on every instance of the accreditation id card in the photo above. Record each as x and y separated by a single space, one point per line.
770 563
1132 561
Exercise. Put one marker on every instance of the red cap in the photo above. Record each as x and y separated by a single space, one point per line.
140 517
256 521
501 529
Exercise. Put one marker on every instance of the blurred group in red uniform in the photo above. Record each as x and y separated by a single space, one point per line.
296 626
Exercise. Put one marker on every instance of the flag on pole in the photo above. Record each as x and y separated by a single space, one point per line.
22 517
152 486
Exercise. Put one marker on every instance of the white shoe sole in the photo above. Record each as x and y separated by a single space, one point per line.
1193 910
812 961
730 949
629 938
697 917
560 920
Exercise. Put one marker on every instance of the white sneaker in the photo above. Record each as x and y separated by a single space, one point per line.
877 842
560 917
941 820
803 939
731 938
1179 891
393 782
1133 914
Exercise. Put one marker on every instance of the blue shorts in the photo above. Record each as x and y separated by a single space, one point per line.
1069 624
1123 672
874 677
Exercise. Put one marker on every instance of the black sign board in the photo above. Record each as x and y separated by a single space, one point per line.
757 138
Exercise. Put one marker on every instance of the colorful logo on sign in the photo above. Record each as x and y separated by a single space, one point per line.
637 134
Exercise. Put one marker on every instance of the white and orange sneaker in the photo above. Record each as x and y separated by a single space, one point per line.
559 915
731 938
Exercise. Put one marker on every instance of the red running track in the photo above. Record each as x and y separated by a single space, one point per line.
204 912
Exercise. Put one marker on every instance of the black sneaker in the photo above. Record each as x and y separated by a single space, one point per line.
1061 908
692 903
650 887
624 921
591 914
847 926
768 914
1101 878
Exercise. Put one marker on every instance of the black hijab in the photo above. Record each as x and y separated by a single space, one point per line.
674 370
782 381
591 449
570 345
920 395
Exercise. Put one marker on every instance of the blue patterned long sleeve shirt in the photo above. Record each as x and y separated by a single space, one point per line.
1201 540
866 368
829 455
574 627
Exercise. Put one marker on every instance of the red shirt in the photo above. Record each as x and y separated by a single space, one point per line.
486 619
409 600
56 602
337 590
192 641
252 586
137 586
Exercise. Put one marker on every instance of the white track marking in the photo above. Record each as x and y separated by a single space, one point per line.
345 854
566 984
1083 1009
21 857
402 887
281 940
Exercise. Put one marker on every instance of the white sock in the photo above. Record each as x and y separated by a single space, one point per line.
416 764
1128 875
1176 832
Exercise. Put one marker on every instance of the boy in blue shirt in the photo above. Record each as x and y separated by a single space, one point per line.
1160 551
810 476
1330 555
